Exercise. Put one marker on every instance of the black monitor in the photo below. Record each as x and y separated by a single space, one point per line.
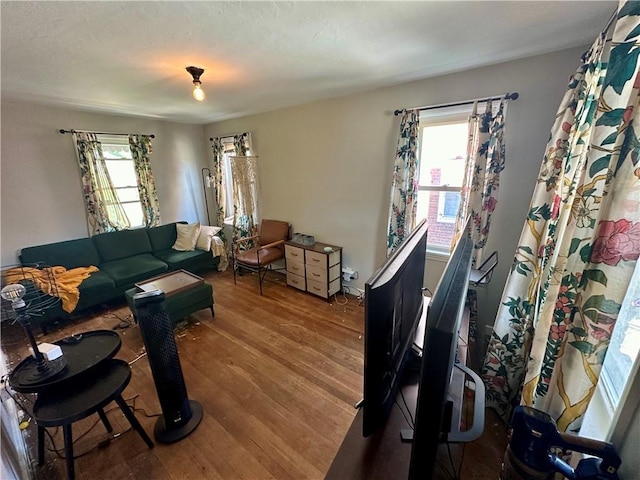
434 422
393 306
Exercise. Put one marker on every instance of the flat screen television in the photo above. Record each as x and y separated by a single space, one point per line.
393 306
434 422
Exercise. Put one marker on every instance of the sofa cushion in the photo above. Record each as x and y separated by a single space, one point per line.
162 237
205 236
122 244
69 254
127 271
193 260
95 289
187 236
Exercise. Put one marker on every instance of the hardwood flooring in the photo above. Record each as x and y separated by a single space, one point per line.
277 376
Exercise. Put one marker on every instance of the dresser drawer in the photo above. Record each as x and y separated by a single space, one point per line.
316 259
296 281
294 253
295 266
317 274
334 286
317 288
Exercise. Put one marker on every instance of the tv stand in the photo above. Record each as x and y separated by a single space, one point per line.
384 455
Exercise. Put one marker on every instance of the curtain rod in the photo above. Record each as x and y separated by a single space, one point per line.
63 131
507 96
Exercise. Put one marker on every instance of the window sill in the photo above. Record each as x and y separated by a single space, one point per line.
437 255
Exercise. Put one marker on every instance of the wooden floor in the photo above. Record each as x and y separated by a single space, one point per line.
277 376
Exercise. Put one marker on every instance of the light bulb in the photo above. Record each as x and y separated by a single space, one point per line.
14 293
198 93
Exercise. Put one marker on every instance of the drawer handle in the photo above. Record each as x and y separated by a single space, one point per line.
315 274
315 259
316 289
294 254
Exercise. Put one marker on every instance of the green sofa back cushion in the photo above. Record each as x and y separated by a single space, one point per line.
70 254
162 237
122 244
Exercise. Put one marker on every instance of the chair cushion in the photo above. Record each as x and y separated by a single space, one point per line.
272 231
262 256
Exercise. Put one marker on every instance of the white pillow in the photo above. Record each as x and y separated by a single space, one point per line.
187 236
204 239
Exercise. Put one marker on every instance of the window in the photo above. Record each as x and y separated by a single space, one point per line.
614 390
119 162
443 150
228 150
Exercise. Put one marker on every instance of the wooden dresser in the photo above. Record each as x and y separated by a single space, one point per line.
312 269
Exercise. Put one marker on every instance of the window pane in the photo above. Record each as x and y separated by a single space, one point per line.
443 153
625 342
134 212
122 173
430 207
442 161
129 194
116 151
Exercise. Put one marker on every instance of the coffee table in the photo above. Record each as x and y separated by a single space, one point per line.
185 293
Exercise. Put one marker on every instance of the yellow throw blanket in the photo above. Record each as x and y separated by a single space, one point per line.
65 282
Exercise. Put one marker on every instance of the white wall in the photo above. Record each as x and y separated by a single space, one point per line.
41 198
326 166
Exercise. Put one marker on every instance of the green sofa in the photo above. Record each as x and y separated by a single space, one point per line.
123 258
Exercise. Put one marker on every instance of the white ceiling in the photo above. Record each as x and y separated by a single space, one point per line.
129 58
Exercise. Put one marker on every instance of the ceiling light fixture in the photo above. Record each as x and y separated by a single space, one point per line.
195 72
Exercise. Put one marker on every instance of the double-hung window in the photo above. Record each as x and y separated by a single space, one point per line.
121 168
443 153
228 150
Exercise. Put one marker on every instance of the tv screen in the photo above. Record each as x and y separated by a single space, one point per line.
393 306
444 317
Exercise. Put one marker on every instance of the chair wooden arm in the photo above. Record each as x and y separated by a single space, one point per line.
273 244
244 239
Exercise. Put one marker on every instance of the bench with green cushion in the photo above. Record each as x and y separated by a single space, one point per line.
181 304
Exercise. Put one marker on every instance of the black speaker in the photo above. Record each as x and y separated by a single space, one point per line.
180 416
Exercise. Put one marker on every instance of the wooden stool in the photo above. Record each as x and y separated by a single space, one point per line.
80 397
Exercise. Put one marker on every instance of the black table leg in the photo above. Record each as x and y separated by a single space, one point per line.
105 420
133 420
40 445
68 451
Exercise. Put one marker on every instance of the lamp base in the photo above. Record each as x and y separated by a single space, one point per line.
33 374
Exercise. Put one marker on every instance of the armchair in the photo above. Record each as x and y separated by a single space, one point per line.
269 248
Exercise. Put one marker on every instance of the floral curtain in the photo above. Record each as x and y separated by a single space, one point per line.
404 186
241 171
245 198
485 161
140 150
580 242
219 183
244 171
102 205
